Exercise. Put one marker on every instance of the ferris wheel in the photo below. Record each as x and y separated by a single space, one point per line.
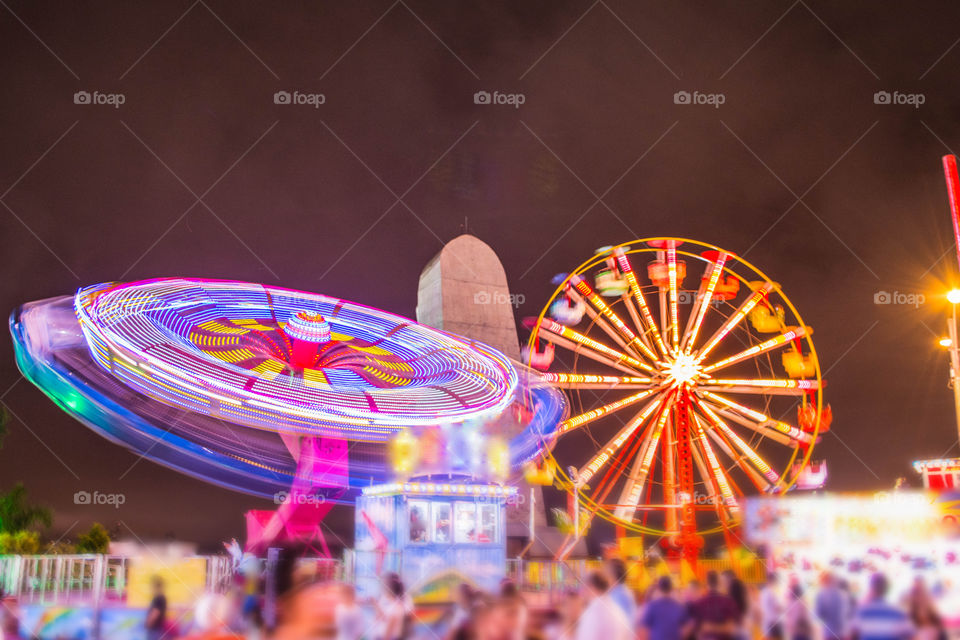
693 382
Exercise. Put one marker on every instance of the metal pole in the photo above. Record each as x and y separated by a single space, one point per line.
99 582
955 364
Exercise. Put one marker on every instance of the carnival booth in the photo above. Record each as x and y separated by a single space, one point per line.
430 533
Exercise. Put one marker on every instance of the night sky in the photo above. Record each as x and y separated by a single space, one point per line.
200 173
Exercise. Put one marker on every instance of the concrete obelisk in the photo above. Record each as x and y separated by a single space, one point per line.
464 290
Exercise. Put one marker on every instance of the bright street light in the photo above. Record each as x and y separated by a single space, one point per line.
946 342
954 296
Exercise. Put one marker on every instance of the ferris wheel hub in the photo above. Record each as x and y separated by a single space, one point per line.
683 369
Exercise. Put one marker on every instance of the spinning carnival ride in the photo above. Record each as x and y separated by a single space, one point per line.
277 393
683 363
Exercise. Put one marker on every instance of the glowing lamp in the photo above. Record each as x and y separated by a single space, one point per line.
946 342
953 296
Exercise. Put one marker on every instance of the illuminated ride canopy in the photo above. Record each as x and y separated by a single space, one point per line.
230 381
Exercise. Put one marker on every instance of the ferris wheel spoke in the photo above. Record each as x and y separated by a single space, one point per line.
720 480
765 386
757 349
605 326
761 473
734 319
632 342
650 325
627 299
609 450
633 489
580 350
712 490
759 422
584 418
588 345
582 381
708 285
674 301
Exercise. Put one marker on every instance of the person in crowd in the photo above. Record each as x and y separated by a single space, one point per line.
715 614
850 606
348 616
690 594
664 617
771 609
615 570
876 619
830 608
393 610
797 624
928 624
213 617
553 626
156 622
602 619
461 612
734 587
512 608
693 591
923 612
571 606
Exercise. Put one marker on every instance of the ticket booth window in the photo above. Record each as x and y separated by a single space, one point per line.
465 522
442 522
488 523
419 520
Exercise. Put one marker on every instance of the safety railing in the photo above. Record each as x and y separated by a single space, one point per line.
91 579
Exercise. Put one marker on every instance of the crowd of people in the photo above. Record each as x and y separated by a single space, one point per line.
604 608
722 608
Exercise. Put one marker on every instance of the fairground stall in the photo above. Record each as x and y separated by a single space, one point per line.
904 534
434 534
